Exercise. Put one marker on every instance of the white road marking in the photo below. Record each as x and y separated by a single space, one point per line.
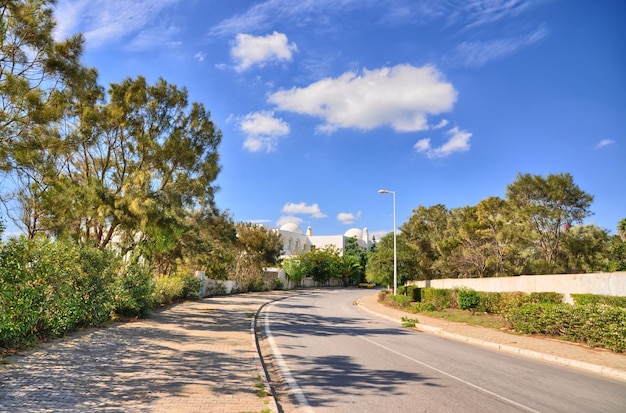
286 373
467 383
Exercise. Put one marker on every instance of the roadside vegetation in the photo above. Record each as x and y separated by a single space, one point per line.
593 320
113 188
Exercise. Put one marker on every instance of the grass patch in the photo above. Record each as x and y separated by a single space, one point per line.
463 316
260 387
409 322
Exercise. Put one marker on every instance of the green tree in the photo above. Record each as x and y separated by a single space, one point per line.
423 231
34 71
139 168
586 248
621 229
380 262
264 244
542 208
354 261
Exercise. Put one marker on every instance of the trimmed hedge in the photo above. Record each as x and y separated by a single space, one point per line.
595 320
597 325
583 299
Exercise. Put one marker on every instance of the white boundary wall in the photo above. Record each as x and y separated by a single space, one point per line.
611 283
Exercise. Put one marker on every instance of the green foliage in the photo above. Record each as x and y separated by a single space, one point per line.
169 289
48 289
412 291
134 290
586 299
277 284
489 302
596 325
409 322
264 244
468 299
546 297
398 301
436 298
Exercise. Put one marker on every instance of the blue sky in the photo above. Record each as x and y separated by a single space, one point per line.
323 102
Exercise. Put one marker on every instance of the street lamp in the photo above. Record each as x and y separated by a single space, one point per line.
395 254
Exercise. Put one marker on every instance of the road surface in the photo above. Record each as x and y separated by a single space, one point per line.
333 357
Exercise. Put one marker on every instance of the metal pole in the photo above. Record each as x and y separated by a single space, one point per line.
395 253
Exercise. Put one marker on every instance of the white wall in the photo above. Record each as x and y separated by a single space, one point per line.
612 283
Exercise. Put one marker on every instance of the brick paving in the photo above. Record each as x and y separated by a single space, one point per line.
196 356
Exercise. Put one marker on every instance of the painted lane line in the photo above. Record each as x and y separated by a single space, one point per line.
286 373
467 383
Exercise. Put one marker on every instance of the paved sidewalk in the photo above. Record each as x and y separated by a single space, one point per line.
603 362
197 356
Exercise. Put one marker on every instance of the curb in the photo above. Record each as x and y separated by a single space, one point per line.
581 365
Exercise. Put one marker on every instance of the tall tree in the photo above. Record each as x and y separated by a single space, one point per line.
425 228
140 166
34 69
543 208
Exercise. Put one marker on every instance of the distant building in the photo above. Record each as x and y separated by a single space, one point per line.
295 242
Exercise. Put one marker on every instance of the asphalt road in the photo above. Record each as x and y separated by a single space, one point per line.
336 358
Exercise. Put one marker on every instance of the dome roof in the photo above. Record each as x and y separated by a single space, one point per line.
354 232
291 227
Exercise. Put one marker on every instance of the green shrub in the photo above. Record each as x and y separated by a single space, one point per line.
468 299
546 297
414 293
134 289
584 299
399 301
509 301
382 295
489 302
436 298
597 325
50 288
170 289
277 284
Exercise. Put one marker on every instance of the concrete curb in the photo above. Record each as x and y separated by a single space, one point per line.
581 365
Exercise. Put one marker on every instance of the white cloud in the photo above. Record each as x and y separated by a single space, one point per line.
478 53
250 50
200 56
442 124
348 218
303 209
603 143
288 219
458 142
262 130
103 21
401 97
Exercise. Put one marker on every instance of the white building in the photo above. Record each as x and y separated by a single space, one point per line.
295 242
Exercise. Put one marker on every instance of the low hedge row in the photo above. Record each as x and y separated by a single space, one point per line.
51 288
597 325
595 320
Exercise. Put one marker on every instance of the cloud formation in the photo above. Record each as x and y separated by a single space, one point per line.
303 209
400 97
262 130
288 219
103 21
348 218
479 53
258 51
458 142
603 143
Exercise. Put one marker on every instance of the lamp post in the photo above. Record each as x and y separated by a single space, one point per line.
395 254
